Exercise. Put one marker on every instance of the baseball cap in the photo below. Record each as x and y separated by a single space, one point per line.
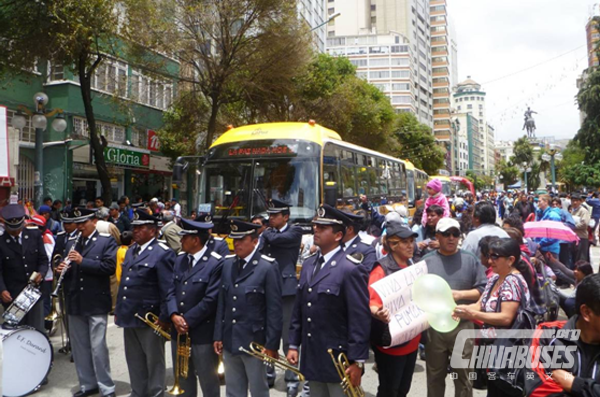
446 224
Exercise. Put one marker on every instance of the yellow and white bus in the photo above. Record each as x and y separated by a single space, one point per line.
303 164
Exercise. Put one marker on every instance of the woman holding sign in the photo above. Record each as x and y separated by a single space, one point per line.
395 364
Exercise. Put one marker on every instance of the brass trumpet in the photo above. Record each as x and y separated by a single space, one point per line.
150 320
184 350
341 364
256 351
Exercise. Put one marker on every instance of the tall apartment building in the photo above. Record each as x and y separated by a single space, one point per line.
470 98
593 37
471 151
314 13
389 42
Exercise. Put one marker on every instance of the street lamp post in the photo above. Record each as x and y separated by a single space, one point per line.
39 120
552 156
525 170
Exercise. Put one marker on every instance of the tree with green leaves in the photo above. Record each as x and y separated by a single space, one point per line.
569 170
230 51
509 174
588 100
523 152
417 144
65 32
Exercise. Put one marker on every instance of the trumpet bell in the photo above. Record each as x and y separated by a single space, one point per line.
176 391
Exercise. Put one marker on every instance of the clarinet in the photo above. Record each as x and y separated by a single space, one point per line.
67 262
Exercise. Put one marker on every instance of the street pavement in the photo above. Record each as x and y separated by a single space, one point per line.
63 379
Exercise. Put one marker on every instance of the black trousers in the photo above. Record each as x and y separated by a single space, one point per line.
582 252
395 373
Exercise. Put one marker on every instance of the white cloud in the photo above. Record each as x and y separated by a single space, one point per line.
496 39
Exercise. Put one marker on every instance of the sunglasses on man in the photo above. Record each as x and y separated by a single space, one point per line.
453 233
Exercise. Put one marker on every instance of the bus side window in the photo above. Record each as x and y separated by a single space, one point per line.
349 180
363 180
331 181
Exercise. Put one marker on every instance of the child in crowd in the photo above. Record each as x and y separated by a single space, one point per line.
436 197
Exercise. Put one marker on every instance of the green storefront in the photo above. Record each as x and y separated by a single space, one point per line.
128 107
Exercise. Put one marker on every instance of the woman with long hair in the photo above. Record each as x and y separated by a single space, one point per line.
506 292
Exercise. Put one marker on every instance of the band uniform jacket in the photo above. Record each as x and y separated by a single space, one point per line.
250 304
169 234
218 245
194 294
18 262
145 283
285 248
367 251
87 285
60 242
331 312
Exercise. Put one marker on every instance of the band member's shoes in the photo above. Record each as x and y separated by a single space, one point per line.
292 391
86 393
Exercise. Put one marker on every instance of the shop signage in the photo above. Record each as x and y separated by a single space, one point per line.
126 157
4 157
153 142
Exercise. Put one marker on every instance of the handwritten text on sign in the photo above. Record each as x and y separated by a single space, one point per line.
395 292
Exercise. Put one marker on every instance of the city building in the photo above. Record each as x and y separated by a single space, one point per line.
471 144
469 98
128 106
441 76
593 36
314 14
389 42
505 150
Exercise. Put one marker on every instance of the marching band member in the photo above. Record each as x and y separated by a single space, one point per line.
192 306
22 252
331 310
282 242
146 278
87 294
249 310
216 244
70 230
352 243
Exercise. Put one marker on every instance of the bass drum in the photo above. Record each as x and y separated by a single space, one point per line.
26 362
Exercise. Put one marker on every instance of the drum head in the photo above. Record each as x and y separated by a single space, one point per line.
27 360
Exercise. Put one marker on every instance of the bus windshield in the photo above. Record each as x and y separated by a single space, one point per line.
240 187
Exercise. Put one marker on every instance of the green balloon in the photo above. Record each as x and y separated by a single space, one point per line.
432 294
442 322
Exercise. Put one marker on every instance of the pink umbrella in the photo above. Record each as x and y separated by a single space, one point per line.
550 229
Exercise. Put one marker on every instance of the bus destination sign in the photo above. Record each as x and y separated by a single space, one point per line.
277 150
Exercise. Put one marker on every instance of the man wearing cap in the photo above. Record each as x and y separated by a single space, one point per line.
170 231
353 244
282 242
87 292
116 217
581 215
192 306
216 244
51 224
249 310
466 277
331 309
145 282
22 252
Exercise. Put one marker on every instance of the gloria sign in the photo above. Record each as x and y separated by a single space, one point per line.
126 157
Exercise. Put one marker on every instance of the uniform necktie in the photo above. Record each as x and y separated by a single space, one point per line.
319 266
190 262
241 264
17 241
136 252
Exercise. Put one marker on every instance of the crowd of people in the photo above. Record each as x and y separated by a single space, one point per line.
130 259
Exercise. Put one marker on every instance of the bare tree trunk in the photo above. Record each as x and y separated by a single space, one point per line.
85 80
212 124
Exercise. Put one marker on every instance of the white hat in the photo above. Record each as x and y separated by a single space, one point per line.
446 224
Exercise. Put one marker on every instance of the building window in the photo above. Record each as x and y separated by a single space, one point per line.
379 50
331 11
359 62
27 134
112 132
111 77
469 107
25 177
379 75
373 19
379 62
401 99
151 92
56 72
373 7
400 74
400 62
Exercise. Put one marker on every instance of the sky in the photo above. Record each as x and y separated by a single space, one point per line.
524 53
